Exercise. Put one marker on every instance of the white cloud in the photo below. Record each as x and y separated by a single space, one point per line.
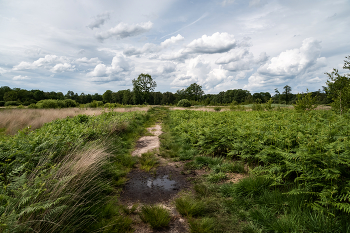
46 62
20 77
216 43
289 65
147 48
62 67
2 71
232 56
99 20
123 30
86 61
172 40
167 68
119 68
314 80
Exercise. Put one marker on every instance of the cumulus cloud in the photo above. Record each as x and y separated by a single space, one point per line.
86 61
123 30
99 20
118 69
147 48
20 77
232 56
62 67
172 40
289 65
166 68
46 62
216 43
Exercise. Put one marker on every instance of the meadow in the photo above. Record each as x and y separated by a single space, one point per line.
263 171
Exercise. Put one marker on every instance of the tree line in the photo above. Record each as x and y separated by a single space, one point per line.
336 92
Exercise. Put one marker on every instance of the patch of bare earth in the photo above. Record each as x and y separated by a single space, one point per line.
160 186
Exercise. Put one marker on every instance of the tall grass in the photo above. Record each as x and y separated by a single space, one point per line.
58 199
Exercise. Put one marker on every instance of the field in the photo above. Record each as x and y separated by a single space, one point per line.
250 171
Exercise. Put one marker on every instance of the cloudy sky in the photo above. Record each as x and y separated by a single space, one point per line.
91 46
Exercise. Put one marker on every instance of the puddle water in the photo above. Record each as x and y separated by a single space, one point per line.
149 188
163 183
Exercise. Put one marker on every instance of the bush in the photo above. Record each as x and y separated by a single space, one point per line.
156 216
71 103
20 106
217 109
95 104
12 103
32 106
184 103
305 102
50 103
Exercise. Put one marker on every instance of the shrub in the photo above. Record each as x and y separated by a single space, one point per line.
95 104
71 103
156 216
305 102
20 106
217 109
32 106
12 103
184 103
50 103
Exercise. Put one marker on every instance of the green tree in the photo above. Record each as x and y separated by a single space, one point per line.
305 102
338 88
194 92
107 96
287 92
142 86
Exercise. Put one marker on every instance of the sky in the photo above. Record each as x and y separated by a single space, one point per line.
92 46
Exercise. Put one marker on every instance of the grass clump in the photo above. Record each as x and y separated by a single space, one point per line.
204 225
148 161
217 177
217 109
156 216
188 206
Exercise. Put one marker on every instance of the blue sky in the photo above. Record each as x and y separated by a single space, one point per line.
93 46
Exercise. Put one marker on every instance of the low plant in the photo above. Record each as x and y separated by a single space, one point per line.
217 109
216 177
155 215
148 161
204 225
188 206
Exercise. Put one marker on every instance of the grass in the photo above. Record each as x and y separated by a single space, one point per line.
148 161
156 216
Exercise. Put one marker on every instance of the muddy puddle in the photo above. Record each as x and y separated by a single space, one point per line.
156 186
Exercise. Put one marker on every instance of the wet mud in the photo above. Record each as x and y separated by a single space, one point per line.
154 187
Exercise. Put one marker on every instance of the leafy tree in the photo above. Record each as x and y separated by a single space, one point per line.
194 92
142 86
287 92
338 88
3 90
107 96
184 103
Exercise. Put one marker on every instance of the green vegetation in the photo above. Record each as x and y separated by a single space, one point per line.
299 168
156 216
60 177
184 103
148 161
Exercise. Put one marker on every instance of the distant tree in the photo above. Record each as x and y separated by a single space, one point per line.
287 92
277 96
142 86
338 88
194 92
3 90
11 96
39 95
107 96
97 97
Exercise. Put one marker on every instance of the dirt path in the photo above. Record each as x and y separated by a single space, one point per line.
160 186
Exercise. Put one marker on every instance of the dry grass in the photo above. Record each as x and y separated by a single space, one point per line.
15 119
